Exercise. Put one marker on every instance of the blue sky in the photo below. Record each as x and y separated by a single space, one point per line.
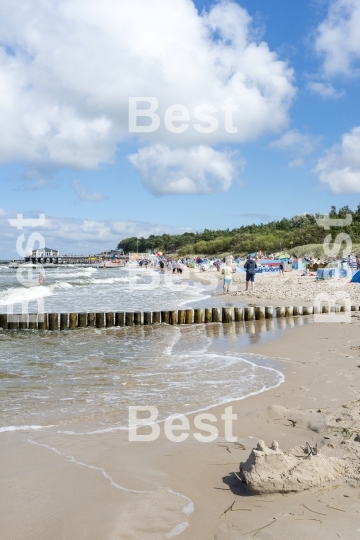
291 68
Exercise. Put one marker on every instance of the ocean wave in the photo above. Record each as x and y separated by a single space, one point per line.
18 295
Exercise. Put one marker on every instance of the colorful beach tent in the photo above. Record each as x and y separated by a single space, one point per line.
356 277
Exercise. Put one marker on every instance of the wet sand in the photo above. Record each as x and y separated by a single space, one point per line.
68 487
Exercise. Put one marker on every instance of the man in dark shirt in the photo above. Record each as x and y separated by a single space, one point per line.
250 267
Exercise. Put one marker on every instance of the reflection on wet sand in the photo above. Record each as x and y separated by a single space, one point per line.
254 332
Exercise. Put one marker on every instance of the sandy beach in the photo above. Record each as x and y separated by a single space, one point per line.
62 486
272 289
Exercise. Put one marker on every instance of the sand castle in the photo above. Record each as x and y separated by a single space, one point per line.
270 470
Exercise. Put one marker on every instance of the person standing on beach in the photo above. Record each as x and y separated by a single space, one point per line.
281 269
227 271
250 267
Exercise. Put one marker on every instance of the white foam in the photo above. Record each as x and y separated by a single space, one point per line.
189 508
22 428
17 295
177 530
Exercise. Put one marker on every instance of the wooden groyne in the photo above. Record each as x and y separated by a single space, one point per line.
111 319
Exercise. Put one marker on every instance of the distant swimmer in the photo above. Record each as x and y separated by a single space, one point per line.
41 278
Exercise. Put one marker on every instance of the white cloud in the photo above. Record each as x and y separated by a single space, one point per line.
72 235
84 194
325 90
296 141
68 68
295 163
196 170
338 38
339 168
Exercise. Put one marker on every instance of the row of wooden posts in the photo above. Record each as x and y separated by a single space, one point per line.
65 321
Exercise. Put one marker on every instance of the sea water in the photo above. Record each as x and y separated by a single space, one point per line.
71 288
92 376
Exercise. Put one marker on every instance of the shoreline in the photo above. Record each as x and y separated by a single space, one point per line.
317 377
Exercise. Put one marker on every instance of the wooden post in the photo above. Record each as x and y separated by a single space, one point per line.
269 312
119 318
215 314
23 321
99 320
42 321
165 317
13 321
289 311
181 316
156 317
109 319
316 310
249 313
53 321
259 313
129 318
280 311
82 320
308 310
63 321
298 310
91 319
188 316
325 308
238 314
198 316
208 315
4 321
32 321
226 315
173 317
137 318
353 308
72 321
147 318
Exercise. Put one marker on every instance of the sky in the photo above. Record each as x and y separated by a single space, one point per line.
129 118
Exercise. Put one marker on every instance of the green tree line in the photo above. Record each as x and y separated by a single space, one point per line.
269 237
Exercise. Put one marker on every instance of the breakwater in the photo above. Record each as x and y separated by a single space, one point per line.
70 321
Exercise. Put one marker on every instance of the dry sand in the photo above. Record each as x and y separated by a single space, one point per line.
47 494
272 289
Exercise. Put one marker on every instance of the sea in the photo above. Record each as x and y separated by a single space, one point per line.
91 376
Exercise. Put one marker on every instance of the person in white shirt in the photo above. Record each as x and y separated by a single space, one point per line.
227 271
